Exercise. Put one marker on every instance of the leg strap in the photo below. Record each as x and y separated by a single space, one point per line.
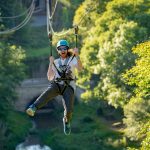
58 87
63 90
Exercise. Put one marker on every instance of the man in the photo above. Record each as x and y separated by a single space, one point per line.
61 74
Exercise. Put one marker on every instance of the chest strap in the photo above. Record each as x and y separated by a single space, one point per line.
66 63
66 81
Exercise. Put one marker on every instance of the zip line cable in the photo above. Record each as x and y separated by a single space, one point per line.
55 33
49 29
52 14
49 21
50 35
23 23
20 15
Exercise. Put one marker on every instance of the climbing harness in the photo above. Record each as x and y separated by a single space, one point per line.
64 73
62 70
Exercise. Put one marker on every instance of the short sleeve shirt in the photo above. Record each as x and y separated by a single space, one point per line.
72 67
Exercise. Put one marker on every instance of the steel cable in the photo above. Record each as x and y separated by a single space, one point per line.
23 23
20 15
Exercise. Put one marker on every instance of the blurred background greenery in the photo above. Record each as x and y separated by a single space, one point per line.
114 110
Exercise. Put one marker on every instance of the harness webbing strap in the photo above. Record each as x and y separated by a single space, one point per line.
71 59
58 70
66 61
64 88
66 81
58 87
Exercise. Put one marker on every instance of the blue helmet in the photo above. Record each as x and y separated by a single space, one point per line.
62 43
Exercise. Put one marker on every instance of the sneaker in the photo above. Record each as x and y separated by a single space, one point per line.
67 127
31 110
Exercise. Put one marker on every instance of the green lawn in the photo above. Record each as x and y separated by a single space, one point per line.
37 52
40 53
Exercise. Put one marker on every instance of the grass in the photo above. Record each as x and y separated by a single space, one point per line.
88 133
35 52
37 42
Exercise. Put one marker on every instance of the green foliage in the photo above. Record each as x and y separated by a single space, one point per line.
12 72
139 74
38 52
11 8
36 38
112 30
12 68
14 130
17 133
146 130
86 126
137 114
137 111
67 9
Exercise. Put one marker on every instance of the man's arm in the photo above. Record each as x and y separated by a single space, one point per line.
50 72
79 63
79 66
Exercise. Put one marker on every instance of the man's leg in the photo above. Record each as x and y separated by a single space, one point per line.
51 92
68 103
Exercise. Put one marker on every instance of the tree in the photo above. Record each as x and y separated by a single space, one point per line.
137 110
113 29
12 72
11 8
108 36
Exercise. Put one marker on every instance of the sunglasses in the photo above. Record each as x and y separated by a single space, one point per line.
62 48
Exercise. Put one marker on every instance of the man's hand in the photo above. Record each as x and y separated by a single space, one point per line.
76 51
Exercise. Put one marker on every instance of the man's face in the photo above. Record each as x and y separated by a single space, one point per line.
62 50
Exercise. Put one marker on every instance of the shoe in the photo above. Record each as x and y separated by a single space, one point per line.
31 110
67 127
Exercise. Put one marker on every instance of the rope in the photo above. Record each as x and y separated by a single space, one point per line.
49 26
47 12
55 33
52 14
50 30
23 23
69 30
17 16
